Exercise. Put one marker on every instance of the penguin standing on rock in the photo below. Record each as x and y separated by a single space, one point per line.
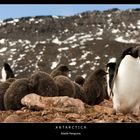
6 72
94 87
60 70
126 82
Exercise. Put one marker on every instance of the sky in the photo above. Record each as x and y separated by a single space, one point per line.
24 10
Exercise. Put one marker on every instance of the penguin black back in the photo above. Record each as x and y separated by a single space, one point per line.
94 87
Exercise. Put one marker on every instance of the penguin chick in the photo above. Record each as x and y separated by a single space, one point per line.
16 91
94 87
79 92
65 86
79 80
3 87
126 82
60 70
42 84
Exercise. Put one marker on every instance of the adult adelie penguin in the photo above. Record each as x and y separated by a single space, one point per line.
94 87
6 72
109 77
126 82
60 70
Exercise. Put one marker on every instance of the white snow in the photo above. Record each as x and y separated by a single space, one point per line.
75 24
138 22
54 64
66 30
80 15
12 43
73 59
56 41
31 19
106 55
85 36
61 49
75 45
3 49
87 62
100 32
99 38
20 41
13 50
2 41
106 46
121 39
115 31
109 15
72 63
85 55
92 68
123 24
84 75
132 26
55 17
71 38
97 57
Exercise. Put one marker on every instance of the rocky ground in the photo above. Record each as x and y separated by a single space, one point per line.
101 113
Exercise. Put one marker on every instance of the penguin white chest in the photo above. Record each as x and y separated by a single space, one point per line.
3 74
126 88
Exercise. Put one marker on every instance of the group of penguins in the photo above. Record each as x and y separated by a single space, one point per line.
119 81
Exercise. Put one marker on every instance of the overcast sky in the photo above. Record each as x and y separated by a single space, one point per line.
21 10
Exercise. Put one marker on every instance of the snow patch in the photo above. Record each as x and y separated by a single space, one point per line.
54 64
56 41
72 63
3 49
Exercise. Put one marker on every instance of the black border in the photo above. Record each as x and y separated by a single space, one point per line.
95 130
70 2
44 130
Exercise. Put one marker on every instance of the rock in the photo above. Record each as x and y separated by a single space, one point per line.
13 119
59 120
60 104
102 109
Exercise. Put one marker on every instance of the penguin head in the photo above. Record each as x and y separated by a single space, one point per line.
132 51
63 68
100 73
79 80
6 66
